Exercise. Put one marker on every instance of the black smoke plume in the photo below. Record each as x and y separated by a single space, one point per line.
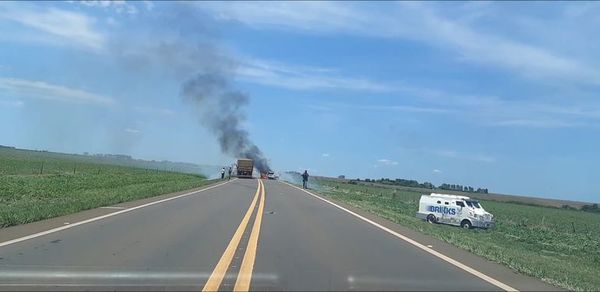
184 46
223 112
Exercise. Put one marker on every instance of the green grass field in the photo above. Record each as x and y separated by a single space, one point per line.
559 246
38 185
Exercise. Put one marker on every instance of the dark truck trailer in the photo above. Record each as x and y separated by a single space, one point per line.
245 167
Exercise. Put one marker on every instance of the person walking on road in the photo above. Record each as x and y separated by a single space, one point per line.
223 173
304 179
229 177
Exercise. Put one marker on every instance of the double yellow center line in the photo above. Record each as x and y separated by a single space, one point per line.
245 274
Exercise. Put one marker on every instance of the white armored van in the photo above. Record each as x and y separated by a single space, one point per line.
454 210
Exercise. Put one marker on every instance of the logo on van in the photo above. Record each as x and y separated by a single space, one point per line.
443 210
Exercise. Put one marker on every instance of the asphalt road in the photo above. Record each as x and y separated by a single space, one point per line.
242 235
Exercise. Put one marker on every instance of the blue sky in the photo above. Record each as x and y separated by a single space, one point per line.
500 95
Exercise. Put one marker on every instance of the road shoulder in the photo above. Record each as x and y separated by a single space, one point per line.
22 230
492 269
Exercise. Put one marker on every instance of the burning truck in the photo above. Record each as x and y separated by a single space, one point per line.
244 168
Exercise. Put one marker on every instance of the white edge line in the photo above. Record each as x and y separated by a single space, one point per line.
53 230
423 247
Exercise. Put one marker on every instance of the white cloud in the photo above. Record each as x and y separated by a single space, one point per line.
11 103
149 5
148 110
323 108
303 77
312 16
112 22
519 112
132 131
325 155
128 9
387 162
116 5
487 48
43 90
465 156
67 26
400 108
333 107
90 3
437 171
539 123
591 111
417 22
487 111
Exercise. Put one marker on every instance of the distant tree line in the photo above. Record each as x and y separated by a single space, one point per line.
461 188
593 208
112 156
426 185
590 208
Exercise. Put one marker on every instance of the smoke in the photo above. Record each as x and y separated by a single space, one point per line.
222 109
206 70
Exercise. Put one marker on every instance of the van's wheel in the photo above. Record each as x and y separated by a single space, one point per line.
466 224
431 218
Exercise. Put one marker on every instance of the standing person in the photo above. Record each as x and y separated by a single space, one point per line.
223 173
304 179
229 173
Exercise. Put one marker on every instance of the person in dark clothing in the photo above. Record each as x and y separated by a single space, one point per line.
305 179
229 174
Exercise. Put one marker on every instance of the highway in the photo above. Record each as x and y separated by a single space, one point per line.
243 234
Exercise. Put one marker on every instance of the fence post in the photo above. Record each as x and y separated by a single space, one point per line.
74 165
543 217
573 225
42 168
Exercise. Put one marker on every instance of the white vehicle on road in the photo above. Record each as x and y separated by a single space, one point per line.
272 175
454 210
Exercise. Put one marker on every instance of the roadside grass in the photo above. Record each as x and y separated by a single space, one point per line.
559 246
70 185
